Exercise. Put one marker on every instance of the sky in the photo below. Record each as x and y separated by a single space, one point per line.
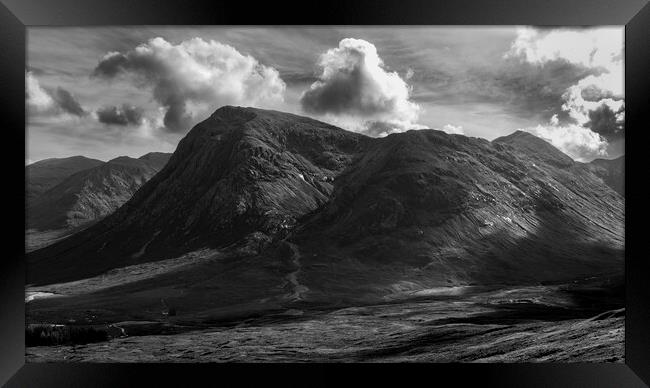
105 92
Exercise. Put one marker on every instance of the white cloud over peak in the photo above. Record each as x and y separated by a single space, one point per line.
595 104
577 141
355 86
193 78
579 108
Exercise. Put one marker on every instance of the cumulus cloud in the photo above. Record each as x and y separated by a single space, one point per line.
35 95
606 121
577 141
594 105
592 113
355 85
55 102
372 128
120 115
599 47
194 77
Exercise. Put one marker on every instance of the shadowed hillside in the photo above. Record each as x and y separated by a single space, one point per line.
612 172
332 215
93 193
45 174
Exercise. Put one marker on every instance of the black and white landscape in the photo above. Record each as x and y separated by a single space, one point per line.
274 211
68 194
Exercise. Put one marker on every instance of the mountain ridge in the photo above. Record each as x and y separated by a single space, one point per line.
90 194
223 160
358 213
611 171
44 174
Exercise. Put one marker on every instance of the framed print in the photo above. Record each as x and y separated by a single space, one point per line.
381 189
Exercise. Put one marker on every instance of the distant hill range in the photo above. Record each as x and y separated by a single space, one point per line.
91 190
338 215
47 173
612 172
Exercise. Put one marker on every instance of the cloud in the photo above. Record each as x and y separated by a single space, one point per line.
68 103
123 115
372 128
36 96
194 77
356 86
532 88
592 112
590 47
577 141
54 102
607 122
593 108
453 129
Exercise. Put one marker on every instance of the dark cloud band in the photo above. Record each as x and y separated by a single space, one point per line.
123 115
68 102
607 123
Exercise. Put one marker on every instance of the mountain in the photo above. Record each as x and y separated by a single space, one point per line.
535 149
93 193
239 172
424 209
157 160
611 171
47 173
306 210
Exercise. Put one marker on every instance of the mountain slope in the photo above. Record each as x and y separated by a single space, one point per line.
157 160
612 172
93 193
424 209
535 149
47 173
332 215
239 172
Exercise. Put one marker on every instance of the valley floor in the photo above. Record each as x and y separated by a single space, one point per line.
273 316
451 330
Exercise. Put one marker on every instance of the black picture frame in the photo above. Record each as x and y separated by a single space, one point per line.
17 15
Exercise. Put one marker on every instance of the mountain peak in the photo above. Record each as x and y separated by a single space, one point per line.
58 161
535 147
519 135
122 160
156 159
150 155
229 112
449 207
241 171
92 193
47 173
119 158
